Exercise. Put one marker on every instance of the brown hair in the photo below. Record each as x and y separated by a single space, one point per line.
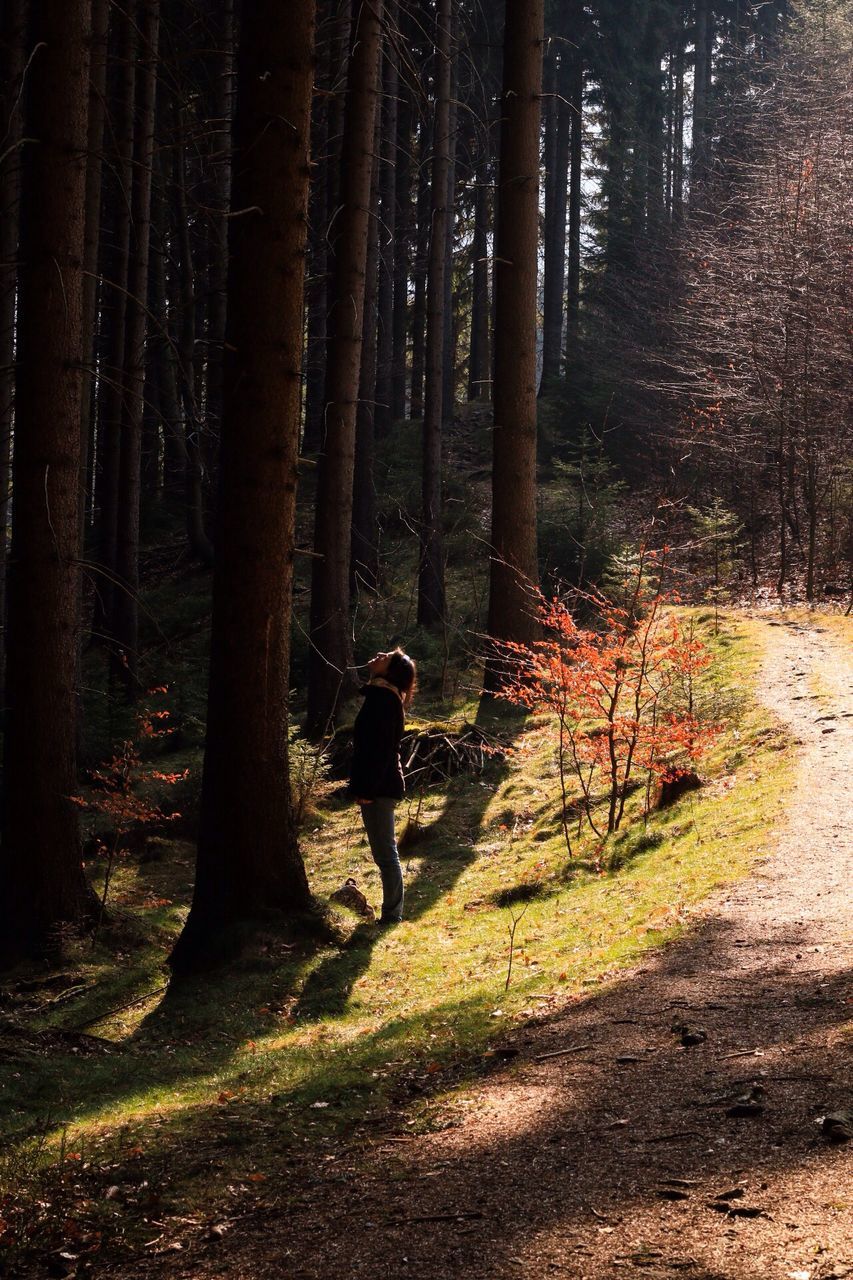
403 673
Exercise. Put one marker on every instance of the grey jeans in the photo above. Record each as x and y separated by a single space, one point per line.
378 819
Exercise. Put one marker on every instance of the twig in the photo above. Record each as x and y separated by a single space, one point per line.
673 1137
516 920
436 1217
119 1008
560 1053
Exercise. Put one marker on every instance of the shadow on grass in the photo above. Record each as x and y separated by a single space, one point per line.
670 1107
195 1028
447 846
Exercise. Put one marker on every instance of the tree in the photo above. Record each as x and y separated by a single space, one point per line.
431 573
12 47
42 888
248 857
114 312
758 354
125 621
513 558
330 653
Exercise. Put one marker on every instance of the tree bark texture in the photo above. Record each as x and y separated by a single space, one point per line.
331 646
42 888
431 598
513 565
248 858
12 59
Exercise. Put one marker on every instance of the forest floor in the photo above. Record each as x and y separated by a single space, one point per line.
668 1125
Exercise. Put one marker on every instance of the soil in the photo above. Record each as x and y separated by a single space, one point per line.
670 1125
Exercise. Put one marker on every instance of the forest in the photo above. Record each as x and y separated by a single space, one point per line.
513 336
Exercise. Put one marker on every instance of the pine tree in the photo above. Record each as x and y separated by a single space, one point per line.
248 857
42 889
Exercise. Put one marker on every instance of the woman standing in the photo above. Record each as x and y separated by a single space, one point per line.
377 775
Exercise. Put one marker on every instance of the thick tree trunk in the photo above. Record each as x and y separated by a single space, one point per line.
125 628
514 572
248 858
12 59
330 653
558 139
431 601
42 889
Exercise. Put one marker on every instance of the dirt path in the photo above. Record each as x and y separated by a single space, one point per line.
623 1155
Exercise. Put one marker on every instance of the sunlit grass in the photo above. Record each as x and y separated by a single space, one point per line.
303 1042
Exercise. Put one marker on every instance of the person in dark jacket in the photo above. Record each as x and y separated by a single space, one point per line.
376 778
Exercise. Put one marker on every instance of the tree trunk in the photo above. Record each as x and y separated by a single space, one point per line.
575 95
248 858
678 133
42 888
222 107
701 96
126 598
115 303
431 601
419 300
12 59
479 364
514 573
364 555
94 184
448 359
330 653
387 231
403 228
162 353
556 198
199 543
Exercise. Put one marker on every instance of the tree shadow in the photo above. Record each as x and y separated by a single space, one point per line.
611 1135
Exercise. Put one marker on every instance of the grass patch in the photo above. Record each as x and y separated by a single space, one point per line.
302 1044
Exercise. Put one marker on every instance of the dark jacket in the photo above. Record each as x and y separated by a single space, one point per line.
376 769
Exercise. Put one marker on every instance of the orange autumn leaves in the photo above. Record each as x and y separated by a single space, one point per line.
623 689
